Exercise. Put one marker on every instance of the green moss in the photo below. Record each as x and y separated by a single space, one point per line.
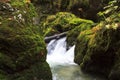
58 23
38 71
50 32
103 47
64 21
72 34
81 45
95 46
22 47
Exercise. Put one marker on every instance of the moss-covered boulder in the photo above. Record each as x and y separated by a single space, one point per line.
22 47
80 25
96 49
61 22
65 21
81 46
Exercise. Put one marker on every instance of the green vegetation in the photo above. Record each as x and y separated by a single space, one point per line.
61 22
23 28
80 25
97 49
37 71
22 47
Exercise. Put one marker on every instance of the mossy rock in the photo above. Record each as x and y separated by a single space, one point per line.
73 34
99 52
95 49
81 45
64 21
57 23
38 71
22 48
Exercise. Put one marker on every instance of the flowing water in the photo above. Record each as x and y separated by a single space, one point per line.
62 64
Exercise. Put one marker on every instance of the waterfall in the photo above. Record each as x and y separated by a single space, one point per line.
62 64
57 53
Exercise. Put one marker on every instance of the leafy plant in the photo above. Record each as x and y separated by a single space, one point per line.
111 9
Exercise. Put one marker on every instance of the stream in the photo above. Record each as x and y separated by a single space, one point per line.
62 64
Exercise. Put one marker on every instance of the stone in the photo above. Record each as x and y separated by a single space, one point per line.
22 49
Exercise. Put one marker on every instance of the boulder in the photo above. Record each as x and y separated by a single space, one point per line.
81 25
96 49
61 22
22 47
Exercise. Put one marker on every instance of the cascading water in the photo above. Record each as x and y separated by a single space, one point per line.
62 64
57 53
